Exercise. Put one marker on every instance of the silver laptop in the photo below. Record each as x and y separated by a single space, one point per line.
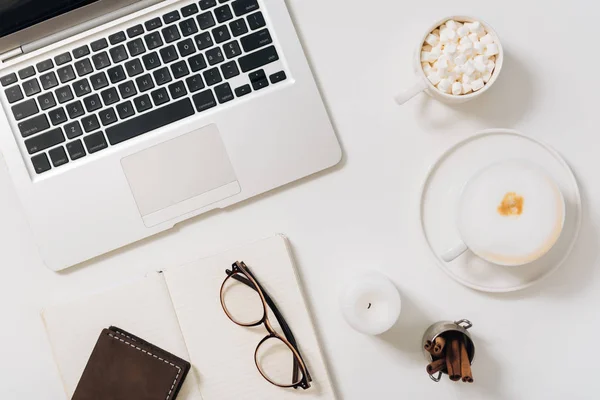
122 118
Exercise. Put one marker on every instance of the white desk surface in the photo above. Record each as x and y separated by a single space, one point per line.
535 344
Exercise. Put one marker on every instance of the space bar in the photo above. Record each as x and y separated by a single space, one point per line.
149 121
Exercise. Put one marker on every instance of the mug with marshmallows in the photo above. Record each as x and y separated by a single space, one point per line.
510 213
457 59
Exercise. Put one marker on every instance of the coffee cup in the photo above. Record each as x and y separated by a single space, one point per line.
510 213
422 84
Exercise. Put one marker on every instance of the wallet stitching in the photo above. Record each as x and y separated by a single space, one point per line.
153 355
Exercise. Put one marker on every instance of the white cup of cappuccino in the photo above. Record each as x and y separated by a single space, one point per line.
510 213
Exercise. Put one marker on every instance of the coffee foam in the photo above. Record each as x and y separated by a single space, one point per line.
511 239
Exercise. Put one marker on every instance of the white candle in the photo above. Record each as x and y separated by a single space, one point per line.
371 303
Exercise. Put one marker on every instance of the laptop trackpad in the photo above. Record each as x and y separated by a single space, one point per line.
181 175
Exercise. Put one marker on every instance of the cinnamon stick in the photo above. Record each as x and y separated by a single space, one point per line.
438 345
436 366
453 359
428 345
465 364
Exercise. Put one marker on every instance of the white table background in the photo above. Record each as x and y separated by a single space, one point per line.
535 344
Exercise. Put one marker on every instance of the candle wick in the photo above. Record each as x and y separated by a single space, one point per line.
368 308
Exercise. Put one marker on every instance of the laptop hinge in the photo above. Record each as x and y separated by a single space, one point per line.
10 54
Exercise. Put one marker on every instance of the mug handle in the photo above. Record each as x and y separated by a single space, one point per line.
454 252
411 92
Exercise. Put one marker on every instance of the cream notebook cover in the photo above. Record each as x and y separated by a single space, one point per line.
179 310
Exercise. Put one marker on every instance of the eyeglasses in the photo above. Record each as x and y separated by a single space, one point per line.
245 302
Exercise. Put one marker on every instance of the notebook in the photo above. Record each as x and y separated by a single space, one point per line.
179 310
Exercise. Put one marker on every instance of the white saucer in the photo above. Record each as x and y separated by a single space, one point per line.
441 193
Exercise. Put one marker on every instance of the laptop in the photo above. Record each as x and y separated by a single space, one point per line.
121 118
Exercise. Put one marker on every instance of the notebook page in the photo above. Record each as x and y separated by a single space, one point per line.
222 352
143 308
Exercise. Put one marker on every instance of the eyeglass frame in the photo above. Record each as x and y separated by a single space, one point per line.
248 279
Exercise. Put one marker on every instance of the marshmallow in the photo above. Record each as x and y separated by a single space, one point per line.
445 85
487 39
434 78
467 88
480 67
432 39
490 66
476 27
474 38
450 49
436 52
461 59
426 56
477 84
427 48
463 31
426 68
486 76
452 24
449 34
479 47
465 79
442 62
457 88
491 49
470 68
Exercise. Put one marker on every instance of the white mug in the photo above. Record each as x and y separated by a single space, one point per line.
422 84
510 213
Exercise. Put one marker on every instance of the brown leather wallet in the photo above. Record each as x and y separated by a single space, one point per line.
125 367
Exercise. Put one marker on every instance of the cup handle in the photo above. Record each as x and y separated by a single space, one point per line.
411 92
453 253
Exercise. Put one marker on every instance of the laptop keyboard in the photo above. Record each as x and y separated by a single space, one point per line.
140 79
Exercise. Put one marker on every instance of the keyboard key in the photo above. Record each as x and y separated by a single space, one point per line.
186 47
92 103
215 56
117 38
40 163
258 59
14 94
221 34
153 40
145 83
46 101
8 79
82 87
160 96
108 116
58 156
48 80
134 67
135 31
223 13
90 123
189 10
34 125
278 77
99 44
116 74
110 96
169 54
76 150
179 69
125 110
229 70
195 83
224 93
118 54
31 87
73 130
232 49
204 41
64 94
127 89
204 100
256 21
177 90
150 121
101 60
258 79
188 27
81 52
153 24
136 47
241 7
65 74
27 72
197 63
142 103
84 67
162 76
256 40
95 142
44 65
206 20
75 109
57 116
171 17
151 61
171 33
44 141
212 76
206 4
238 27
25 109
99 80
